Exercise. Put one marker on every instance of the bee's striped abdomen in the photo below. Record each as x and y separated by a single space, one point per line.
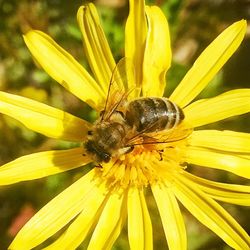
153 114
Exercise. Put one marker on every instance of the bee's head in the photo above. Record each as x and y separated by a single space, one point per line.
96 151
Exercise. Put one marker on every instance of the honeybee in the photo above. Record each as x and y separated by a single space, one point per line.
124 124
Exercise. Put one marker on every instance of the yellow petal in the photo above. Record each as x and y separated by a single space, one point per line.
139 223
209 63
210 213
222 140
231 103
171 217
61 66
110 223
158 55
42 118
58 212
230 193
135 220
82 225
148 234
42 164
135 38
233 163
95 45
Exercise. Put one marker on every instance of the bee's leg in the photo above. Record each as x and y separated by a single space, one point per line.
98 166
125 150
160 153
129 150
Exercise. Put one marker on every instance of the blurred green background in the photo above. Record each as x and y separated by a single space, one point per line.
193 23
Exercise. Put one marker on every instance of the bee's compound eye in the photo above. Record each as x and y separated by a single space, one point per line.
90 132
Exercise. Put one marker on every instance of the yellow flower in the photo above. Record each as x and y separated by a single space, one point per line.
101 201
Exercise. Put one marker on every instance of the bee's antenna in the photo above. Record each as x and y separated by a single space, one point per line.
106 101
118 72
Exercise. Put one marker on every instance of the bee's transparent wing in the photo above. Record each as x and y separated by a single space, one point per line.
121 87
160 137
171 136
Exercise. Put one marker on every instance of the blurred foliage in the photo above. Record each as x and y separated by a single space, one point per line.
193 23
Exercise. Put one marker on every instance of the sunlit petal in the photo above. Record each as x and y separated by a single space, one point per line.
139 223
61 66
135 220
95 45
135 38
82 225
148 234
210 213
43 119
222 140
231 103
230 193
233 163
58 212
209 63
171 217
156 62
110 223
42 164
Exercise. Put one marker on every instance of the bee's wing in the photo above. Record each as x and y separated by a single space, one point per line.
160 137
168 136
121 86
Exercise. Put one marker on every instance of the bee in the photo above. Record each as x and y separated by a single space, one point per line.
124 124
